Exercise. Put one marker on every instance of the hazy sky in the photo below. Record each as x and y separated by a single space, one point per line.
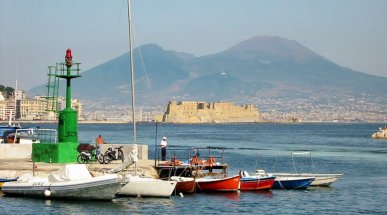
36 33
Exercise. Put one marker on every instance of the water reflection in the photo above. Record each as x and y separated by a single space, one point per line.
139 204
234 196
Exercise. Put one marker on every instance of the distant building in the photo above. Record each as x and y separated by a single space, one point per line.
10 109
203 112
33 109
20 107
3 105
20 95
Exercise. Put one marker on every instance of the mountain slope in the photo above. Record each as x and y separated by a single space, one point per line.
262 65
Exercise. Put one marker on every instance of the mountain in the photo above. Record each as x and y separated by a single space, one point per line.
260 66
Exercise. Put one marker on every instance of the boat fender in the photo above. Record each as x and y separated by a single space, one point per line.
181 195
47 193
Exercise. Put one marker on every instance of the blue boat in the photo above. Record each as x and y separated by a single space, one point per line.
292 182
5 130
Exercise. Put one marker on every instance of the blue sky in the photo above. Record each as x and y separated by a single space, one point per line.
35 34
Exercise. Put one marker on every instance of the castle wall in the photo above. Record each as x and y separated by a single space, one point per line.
202 112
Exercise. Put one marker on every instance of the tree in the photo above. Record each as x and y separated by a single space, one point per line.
9 91
2 88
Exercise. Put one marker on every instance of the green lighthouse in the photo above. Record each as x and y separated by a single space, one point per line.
65 151
68 118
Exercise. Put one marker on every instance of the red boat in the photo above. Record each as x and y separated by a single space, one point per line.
257 183
184 184
227 184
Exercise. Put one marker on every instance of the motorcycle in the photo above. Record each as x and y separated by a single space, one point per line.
87 155
110 155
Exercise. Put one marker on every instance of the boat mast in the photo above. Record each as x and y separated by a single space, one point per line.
131 71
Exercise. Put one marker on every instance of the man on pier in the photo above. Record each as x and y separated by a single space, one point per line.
163 145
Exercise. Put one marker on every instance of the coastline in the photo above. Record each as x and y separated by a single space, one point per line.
5 122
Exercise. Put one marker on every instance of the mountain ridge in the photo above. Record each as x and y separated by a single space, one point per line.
252 68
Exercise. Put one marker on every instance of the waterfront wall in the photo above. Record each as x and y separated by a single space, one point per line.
17 151
203 112
13 151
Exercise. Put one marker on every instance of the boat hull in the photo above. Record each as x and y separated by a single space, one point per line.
229 184
322 180
147 187
184 184
97 188
256 183
292 182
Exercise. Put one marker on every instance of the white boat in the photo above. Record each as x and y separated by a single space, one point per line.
73 181
381 134
140 186
321 179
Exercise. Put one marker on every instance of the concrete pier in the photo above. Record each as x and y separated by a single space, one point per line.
12 168
15 160
12 151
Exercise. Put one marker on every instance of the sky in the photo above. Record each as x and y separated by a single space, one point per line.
35 34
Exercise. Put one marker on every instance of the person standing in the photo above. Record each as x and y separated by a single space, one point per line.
99 141
163 145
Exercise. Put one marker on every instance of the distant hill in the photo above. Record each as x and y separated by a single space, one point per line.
260 66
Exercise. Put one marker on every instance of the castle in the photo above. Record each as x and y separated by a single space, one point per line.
203 112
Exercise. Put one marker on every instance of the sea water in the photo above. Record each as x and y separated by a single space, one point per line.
335 148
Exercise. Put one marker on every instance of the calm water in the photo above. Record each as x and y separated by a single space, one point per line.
336 148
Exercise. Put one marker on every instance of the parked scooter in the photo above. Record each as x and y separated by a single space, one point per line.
87 155
110 155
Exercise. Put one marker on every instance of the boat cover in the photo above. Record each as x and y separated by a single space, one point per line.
70 172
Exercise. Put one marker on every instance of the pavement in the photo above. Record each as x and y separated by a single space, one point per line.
12 168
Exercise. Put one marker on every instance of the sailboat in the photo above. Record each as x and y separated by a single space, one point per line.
137 185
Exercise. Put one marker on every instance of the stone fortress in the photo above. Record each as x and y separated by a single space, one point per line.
203 112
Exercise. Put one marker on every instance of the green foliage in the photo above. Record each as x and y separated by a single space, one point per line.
7 91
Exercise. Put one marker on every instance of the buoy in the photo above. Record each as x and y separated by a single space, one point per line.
181 195
47 193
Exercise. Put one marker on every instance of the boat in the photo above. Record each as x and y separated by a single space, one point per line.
224 184
140 186
381 134
292 182
73 181
287 182
5 130
22 136
137 185
321 179
184 184
3 180
256 182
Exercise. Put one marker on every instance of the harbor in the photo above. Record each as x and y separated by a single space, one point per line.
345 148
213 150
139 171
